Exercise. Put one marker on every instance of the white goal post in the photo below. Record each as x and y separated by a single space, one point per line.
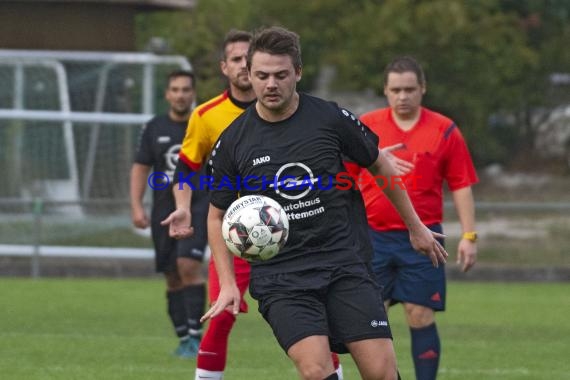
139 71
69 122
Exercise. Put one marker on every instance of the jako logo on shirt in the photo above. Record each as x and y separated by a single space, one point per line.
261 160
374 323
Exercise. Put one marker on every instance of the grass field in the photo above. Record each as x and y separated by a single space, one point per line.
118 329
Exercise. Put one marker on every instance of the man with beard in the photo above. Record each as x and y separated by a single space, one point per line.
179 260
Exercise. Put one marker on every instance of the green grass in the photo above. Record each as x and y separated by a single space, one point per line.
118 329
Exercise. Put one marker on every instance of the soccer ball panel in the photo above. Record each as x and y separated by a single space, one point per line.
269 215
276 236
260 235
250 217
269 251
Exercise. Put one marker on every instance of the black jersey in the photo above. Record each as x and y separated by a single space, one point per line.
159 145
298 163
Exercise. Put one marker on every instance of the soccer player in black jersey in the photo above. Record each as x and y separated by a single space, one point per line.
179 260
206 123
317 294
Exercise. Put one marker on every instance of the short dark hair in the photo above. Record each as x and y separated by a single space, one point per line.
404 64
234 35
276 40
181 73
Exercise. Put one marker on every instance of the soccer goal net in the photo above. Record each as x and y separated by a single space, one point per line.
69 123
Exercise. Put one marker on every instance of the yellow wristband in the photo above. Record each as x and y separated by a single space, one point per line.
471 236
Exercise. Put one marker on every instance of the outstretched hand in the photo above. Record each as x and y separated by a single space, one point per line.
402 167
228 299
425 242
180 224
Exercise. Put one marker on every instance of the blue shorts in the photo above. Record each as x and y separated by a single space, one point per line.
404 274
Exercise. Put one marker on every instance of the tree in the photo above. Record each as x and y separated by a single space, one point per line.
483 59
197 35
475 58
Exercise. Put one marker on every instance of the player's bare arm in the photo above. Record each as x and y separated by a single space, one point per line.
229 294
465 206
139 175
422 238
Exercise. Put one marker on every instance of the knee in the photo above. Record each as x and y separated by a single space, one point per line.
386 368
313 371
173 281
419 316
389 373
190 271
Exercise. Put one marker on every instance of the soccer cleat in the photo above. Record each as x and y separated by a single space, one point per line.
188 348
194 345
181 347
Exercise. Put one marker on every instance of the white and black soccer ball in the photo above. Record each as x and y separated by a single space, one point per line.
255 227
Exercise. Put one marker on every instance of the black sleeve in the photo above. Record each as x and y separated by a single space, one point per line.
144 150
222 169
359 143
181 169
198 180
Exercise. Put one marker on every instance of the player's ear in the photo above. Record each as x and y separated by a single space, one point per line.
223 67
298 73
424 89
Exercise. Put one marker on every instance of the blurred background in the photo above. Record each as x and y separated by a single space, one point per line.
80 77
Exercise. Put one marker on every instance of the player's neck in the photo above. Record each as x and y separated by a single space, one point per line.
177 117
274 116
406 122
241 95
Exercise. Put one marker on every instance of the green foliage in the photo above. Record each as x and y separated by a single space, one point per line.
475 59
482 58
316 22
197 35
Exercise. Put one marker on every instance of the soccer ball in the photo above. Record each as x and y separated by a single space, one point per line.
255 227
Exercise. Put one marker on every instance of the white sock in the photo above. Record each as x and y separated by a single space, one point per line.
205 374
339 372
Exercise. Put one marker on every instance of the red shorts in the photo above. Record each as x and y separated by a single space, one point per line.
242 270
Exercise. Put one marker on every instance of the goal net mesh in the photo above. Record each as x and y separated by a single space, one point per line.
69 126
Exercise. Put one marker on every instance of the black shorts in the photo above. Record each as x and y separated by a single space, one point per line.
343 304
167 249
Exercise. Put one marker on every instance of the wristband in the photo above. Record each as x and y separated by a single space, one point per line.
471 236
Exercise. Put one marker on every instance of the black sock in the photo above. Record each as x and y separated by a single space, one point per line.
194 303
425 351
333 376
177 313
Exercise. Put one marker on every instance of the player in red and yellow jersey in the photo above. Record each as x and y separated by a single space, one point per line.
206 123
430 149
